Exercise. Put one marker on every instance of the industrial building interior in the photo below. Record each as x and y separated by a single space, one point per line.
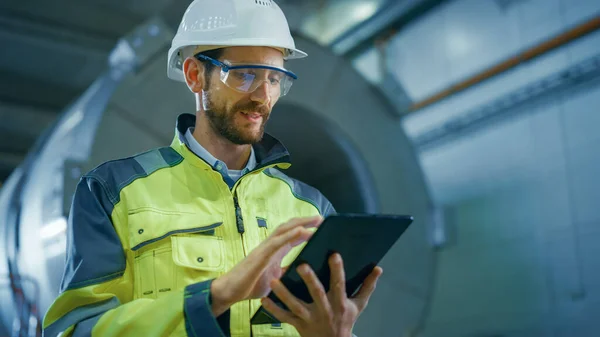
477 117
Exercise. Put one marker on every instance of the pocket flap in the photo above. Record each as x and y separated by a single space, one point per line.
198 252
150 226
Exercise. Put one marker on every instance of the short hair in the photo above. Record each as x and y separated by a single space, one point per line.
212 53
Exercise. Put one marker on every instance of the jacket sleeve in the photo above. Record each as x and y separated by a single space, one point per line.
96 295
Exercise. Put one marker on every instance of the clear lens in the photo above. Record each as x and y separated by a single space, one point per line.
247 79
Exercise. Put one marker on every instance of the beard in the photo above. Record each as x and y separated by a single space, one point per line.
223 120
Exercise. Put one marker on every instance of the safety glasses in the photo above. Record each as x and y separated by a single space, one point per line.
247 77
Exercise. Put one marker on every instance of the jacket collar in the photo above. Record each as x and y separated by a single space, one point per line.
269 151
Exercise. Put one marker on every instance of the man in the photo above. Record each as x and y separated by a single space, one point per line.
186 240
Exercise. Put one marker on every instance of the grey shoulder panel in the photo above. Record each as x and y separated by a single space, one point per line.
117 174
304 192
94 250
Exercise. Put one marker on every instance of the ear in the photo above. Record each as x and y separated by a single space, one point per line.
194 74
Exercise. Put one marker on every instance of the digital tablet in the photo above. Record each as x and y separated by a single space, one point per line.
361 239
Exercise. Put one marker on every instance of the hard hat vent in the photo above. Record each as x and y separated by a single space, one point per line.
267 3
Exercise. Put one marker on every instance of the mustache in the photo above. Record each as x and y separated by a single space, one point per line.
252 106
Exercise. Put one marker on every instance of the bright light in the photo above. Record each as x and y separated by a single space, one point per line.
458 43
364 10
54 228
55 249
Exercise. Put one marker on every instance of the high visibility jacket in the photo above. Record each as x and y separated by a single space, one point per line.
148 234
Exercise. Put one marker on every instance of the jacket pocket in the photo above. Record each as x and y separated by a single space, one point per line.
182 260
150 227
197 257
153 272
167 248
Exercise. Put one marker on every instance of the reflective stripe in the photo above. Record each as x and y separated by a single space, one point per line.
151 161
303 192
80 314
85 327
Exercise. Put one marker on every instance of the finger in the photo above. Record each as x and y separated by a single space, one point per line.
306 222
294 304
275 244
263 256
367 288
303 237
282 315
290 239
337 286
315 287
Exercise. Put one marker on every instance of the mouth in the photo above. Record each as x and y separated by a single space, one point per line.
251 116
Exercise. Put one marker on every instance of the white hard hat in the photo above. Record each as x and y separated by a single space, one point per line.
211 24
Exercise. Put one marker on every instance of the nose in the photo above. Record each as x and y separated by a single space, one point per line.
261 94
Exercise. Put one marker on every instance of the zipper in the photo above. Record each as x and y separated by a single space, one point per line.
239 219
239 222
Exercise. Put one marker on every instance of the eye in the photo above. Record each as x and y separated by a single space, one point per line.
243 75
239 75
275 79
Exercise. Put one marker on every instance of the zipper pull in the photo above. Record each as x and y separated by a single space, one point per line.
239 220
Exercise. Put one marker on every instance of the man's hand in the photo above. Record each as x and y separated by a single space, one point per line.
251 278
331 314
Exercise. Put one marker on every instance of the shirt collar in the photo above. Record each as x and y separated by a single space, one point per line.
201 152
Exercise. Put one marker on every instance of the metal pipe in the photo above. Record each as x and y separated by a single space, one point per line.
529 54
388 20
564 82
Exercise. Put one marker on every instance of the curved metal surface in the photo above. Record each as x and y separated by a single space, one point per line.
333 165
348 136
32 208
333 90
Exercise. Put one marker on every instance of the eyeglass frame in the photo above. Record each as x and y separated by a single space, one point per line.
226 67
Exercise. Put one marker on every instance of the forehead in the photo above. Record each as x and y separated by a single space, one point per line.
254 55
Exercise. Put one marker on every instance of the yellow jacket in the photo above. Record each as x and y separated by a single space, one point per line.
148 234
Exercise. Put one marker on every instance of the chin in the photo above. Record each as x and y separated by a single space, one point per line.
253 137
254 140
247 139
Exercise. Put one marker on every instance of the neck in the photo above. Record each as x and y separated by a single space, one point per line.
233 155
